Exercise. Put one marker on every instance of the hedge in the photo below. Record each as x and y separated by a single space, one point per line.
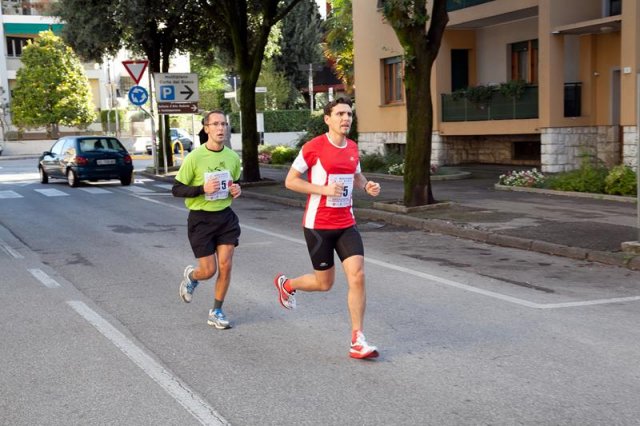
277 121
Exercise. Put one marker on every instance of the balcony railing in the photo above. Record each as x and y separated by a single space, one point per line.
461 4
499 107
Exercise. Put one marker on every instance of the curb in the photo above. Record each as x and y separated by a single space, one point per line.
439 226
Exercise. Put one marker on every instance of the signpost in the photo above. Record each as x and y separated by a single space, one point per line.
176 87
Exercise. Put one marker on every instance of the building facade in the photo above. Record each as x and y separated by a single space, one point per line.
541 83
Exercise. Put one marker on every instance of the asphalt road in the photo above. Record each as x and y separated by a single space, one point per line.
93 330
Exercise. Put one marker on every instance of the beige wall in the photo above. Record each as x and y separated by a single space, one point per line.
373 40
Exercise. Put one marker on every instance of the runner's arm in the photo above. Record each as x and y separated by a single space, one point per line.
179 189
296 183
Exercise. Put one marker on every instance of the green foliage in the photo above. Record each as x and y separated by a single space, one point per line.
277 121
621 180
588 178
381 163
374 163
279 90
513 89
301 35
316 126
283 154
338 46
479 95
109 116
51 87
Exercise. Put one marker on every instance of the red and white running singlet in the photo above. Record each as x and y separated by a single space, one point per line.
326 163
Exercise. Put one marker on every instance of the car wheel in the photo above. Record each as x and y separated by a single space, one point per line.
72 178
126 179
44 177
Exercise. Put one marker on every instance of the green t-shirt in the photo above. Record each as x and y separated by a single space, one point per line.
224 164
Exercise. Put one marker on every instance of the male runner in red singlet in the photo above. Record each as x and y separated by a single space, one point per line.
332 164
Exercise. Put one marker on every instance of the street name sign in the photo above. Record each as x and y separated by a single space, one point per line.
177 107
176 87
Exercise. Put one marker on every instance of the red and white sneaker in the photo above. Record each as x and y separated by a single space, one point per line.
360 349
287 300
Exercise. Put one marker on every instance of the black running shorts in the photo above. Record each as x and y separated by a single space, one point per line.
321 243
207 230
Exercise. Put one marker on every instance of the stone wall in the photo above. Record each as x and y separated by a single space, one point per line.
630 147
563 149
453 150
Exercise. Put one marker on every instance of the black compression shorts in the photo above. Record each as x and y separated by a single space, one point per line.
321 243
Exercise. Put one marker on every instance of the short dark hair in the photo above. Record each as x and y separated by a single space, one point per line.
341 100
215 111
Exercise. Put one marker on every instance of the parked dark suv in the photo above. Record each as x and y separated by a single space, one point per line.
77 158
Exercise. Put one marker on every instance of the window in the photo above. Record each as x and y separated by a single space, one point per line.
614 7
15 45
524 61
393 87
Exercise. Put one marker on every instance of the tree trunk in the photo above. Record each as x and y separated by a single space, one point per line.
417 177
250 138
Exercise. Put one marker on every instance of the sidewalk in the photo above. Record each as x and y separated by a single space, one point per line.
579 227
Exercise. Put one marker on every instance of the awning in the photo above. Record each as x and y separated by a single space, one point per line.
12 28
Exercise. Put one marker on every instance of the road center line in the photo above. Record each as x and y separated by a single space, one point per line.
11 252
175 387
45 279
445 281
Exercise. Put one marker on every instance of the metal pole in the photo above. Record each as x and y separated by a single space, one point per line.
311 87
153 127
638 152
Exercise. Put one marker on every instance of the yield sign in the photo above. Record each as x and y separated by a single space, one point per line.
135 69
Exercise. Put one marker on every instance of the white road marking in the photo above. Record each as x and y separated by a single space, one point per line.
175 387
9 194
10 251
444 281
11 177
138 189
163 185
45 279
91 190
52 192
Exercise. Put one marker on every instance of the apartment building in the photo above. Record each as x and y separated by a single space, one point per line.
552 82
21 21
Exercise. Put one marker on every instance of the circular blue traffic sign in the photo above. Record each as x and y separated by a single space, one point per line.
138 95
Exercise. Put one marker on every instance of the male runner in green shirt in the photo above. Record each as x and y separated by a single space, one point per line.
207 180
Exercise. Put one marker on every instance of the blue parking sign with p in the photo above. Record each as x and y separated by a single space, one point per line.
167 93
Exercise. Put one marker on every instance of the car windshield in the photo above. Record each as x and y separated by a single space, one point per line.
100 145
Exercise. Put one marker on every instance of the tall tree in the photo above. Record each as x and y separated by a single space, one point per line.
420 36
244 27
338 44
51 87
300 44
153 28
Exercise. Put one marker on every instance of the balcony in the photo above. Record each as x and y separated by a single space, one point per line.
498 107
462 4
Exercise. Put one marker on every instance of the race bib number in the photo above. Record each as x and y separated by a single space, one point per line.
225 181
343 200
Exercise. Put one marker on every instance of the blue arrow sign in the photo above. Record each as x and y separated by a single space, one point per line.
138 95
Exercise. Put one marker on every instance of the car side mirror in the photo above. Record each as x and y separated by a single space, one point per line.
46 153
